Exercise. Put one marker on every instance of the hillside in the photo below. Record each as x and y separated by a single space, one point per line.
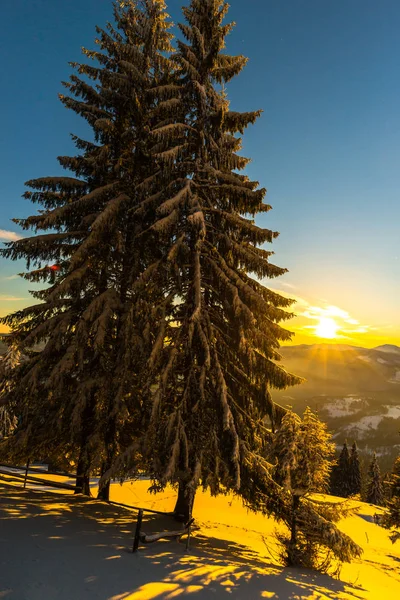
60 547
337 369
356 391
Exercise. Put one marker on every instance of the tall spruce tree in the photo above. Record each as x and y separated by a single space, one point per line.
150 260
340 474
215 364
354 471
375 493
81 395
302 451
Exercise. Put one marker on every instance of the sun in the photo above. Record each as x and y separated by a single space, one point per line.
326 328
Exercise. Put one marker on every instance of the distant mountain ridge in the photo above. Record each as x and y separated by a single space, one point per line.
342 369
355 390
332 346
388 348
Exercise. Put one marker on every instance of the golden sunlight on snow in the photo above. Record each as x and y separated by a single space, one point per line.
233 555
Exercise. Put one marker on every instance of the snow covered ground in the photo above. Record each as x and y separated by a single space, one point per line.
343 407
396 378
351 406
371 422
63 547
393 412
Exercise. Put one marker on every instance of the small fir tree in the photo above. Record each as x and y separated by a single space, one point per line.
302 450
355 481
392 518
375 493
340 474
395 479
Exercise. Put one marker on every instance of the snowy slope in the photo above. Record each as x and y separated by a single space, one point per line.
58 547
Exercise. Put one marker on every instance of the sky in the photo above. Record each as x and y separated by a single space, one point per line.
327 147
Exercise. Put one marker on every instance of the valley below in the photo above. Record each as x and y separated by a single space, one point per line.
356 391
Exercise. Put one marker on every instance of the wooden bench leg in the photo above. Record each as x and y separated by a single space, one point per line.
188 535
137 531
26 473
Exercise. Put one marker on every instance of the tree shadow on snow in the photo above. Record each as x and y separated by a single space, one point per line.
225 569
61 546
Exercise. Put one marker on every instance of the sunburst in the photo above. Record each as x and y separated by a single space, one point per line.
327 328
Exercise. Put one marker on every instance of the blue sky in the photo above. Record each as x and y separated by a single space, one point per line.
327 147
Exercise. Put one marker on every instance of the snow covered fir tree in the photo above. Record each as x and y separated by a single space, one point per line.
149 317
395 479
375 494
302 450
355 479
80 395
215 375
391 519
158 340
346 476
340 475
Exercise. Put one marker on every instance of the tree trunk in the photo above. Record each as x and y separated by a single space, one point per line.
85 454
292 547
82 485
184 504
110 445
104 491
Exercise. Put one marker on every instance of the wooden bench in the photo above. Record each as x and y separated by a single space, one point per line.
141 537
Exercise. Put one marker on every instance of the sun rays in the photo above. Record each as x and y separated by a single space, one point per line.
327 328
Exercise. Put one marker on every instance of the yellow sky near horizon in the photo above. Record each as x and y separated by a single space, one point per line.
318 321
315 321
